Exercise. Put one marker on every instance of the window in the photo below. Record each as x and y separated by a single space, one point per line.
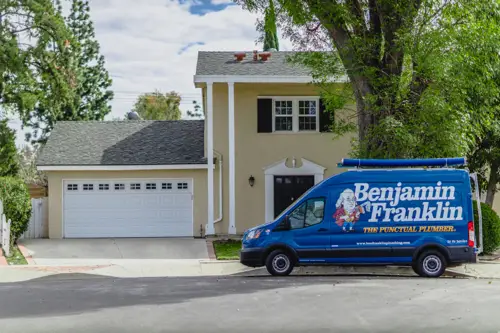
88 187
119 187
103 187
283 115
72 187
135 186
151 186
307 214
182 186
296 114
166 186
307 115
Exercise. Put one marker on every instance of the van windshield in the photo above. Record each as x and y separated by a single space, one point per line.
293 203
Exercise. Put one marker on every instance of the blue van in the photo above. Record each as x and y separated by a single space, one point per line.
382 212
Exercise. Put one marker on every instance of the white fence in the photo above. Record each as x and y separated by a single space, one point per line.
4 232
38 226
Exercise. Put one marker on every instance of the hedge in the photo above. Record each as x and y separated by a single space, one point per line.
491 227
16 205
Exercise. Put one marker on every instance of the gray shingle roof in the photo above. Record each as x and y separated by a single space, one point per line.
125 143
224 63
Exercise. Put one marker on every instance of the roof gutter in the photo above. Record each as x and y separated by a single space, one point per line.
260 79
120 167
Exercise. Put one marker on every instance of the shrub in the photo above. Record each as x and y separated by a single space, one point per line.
16 205
491 227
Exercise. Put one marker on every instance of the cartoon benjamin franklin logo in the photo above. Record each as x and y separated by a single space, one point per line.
348 211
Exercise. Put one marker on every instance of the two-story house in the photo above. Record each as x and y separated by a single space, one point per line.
263 143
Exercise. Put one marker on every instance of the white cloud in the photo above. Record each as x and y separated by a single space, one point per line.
141 41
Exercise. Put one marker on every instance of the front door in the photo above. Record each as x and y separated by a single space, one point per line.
287 189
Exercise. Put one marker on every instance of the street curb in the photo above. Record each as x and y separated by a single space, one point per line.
3 260
26 254
211 249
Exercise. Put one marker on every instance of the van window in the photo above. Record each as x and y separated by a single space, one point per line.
309 213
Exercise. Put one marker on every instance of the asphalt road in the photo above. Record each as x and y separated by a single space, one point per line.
249 304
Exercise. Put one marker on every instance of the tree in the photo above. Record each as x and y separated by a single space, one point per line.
485 160
410 65
27 166
270 29
9 166
158 106
63 76
33 46
197 112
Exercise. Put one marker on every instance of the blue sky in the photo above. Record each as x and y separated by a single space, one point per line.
152 44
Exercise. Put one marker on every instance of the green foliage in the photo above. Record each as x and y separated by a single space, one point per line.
16 204
270 30
27 166
158 106
197 112
491 227
227 250
422 73
33 79
8 152
59 74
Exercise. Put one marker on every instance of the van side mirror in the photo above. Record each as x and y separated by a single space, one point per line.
286 223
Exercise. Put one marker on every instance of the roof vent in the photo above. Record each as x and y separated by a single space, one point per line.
240 56
133 116
255 56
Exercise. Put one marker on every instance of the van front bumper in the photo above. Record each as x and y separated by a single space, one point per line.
252 257
462 255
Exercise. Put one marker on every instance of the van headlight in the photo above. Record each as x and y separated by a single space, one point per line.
254 234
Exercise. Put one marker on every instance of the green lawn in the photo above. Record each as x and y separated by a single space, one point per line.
227 250
16 257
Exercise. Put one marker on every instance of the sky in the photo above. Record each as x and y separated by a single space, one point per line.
153 44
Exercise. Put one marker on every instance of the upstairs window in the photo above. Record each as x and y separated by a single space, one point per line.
295 114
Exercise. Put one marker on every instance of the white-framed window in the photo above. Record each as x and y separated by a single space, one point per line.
182 186
166 186
150 186
72 187
119 187
88 187
103 187
135 186
295 114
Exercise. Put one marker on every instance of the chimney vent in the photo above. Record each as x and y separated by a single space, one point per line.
264 55
240 56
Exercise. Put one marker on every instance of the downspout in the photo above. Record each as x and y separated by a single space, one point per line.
219 158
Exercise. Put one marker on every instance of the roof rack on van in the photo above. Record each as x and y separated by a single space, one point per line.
420 162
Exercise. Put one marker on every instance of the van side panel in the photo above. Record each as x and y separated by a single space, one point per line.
385 216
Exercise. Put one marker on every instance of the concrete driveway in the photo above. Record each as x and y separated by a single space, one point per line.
108 251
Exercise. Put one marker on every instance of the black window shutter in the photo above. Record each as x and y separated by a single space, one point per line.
326 118
264 115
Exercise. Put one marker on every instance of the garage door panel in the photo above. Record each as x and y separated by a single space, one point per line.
154 208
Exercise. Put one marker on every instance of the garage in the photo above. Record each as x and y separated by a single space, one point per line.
128 208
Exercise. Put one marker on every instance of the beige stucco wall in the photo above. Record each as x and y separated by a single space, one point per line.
255 151
55 181
496 203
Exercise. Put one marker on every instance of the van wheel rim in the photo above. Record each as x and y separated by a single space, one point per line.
432 264
281 263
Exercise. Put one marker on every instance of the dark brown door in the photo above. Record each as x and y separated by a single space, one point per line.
287 189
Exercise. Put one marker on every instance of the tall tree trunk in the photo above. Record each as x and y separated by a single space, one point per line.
492 185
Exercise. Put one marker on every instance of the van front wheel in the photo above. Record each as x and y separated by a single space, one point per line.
279 263
430 263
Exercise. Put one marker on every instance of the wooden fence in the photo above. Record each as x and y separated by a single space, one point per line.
38 226
4 232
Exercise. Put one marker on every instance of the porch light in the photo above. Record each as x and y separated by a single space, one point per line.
251 180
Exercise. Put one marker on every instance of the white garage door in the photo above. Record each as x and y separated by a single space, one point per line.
128 208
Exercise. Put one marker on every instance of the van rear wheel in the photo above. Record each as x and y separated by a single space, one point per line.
430 263
279 263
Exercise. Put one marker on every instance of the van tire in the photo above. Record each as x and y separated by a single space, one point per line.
279 263
430 263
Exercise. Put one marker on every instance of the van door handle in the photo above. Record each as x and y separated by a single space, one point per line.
322 229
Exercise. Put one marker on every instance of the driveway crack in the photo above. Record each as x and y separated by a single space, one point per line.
118 247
